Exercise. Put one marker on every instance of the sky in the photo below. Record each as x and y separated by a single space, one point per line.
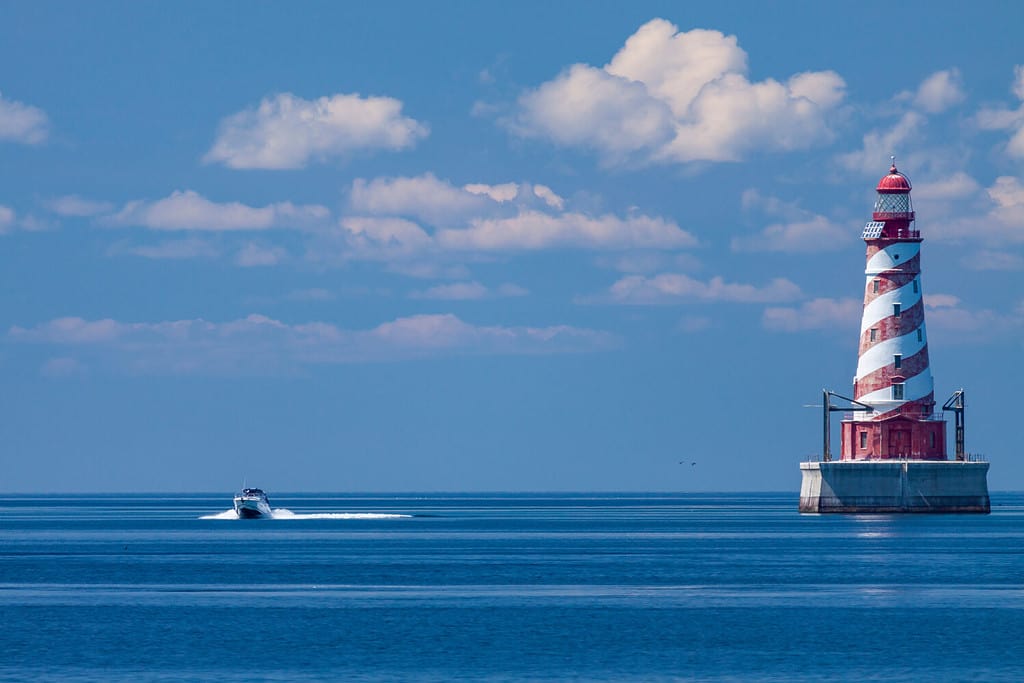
481 246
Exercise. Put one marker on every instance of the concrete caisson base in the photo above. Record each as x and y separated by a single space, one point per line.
894 486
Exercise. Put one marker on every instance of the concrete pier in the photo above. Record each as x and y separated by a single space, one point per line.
894 486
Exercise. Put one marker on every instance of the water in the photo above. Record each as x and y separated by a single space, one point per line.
505 588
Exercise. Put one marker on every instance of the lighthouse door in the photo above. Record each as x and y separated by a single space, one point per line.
899 443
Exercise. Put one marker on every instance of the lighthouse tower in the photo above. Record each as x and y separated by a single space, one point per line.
893 374
893 445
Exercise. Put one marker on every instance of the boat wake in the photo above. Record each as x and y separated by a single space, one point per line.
284 513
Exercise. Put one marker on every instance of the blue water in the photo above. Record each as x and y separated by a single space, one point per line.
505 588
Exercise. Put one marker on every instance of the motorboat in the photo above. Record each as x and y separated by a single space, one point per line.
252 504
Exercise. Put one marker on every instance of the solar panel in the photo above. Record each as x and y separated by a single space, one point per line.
873 230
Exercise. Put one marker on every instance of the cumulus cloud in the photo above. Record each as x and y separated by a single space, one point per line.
533 230
22 123
286 132
940 91
676 288
257 343
188 210
424 197
425 217
672 96
504 192
816 314
549 197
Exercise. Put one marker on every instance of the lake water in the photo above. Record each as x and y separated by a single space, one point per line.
602 587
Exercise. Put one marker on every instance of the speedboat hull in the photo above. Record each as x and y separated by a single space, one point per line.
252 504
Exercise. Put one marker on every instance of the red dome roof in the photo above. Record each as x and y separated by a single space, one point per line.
894 183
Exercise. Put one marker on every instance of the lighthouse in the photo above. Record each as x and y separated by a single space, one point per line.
893 440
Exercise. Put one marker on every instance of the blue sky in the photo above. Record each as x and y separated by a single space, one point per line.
480 246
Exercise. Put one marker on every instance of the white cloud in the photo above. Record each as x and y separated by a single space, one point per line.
549 197
505 192
258 344
997 221
674 96
799 231
425 197
952 323
588 107
817 314
6 219
21 122
286 131
455 291
814 234
10 221
74 206
674 288
383 238
1011 120
957 186
533 230
940 91
252 255
993 260
1006 219
188 210
468 291
934 301
879 145
168 250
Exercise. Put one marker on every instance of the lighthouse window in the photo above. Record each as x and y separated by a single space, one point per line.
920 334
874 334
864 440
915 286
932 439
897 392
896 310
874 287
897 360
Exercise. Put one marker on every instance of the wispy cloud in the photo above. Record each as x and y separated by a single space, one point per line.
676 288
840 315
20 122
287 132
74 206
167 250
799 231
253 255
258 344
1011 120
938 92
677 97
188 210
468 291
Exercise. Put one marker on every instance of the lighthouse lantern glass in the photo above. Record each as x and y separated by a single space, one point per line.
893 203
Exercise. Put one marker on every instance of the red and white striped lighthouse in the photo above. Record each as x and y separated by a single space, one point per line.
893 374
